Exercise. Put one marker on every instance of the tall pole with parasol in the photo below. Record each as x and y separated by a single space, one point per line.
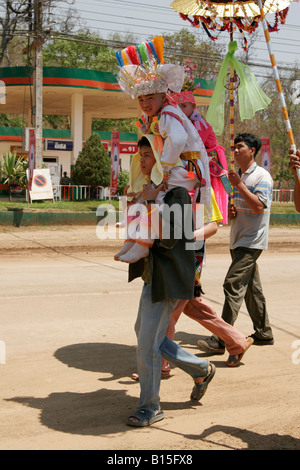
231 115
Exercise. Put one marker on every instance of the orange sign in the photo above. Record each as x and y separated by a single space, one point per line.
18 150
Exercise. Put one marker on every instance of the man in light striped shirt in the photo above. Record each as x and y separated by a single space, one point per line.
250 216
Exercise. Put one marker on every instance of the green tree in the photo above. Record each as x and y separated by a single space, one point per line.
51 121
7 120
92 167
121 125
274 127
78 54
185 45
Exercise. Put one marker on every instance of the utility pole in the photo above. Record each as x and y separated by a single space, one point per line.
38 82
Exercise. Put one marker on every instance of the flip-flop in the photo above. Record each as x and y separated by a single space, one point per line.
234 359
165 374
145 418
200 388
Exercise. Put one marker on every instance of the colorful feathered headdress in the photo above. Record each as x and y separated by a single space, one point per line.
144 72
142 54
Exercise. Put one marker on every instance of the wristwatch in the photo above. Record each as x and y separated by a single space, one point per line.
149 201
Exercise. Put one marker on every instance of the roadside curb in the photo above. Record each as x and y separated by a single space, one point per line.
18 218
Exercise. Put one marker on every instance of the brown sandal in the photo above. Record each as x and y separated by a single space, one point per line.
234 359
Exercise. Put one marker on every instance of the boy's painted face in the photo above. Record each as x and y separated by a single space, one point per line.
187 108
147 160
151 104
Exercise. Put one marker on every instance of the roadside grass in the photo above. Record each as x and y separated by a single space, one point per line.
89 205
283 208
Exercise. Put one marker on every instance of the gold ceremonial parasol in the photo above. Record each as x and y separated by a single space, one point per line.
245 17
229 9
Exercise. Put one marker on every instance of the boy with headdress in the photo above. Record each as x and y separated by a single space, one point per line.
183 159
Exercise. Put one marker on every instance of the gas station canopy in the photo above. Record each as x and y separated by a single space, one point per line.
79 93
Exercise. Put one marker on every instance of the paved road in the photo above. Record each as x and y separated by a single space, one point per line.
67 322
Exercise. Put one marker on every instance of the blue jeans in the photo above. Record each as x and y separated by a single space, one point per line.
151 326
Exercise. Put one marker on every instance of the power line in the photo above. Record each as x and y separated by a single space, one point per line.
168 50
120 44
110 43
80 10
167 9
128 4
159 23
139 34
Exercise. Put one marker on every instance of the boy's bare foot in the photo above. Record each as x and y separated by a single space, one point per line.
124 249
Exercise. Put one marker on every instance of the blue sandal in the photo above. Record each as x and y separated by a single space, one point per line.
145 418
200 388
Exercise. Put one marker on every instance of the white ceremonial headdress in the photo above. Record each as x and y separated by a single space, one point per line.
143 71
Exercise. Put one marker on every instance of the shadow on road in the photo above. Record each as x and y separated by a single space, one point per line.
105 411
253 440
116 360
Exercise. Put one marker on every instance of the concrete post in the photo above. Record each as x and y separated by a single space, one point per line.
87 125
38 85
77 125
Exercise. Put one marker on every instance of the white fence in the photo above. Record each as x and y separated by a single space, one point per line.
76 193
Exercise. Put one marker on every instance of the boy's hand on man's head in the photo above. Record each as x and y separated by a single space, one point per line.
149 193
134 197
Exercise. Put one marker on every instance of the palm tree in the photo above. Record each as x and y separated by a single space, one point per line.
20 172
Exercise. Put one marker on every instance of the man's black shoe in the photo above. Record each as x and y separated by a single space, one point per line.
262 342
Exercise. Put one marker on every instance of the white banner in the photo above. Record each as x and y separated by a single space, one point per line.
266 154
115 158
